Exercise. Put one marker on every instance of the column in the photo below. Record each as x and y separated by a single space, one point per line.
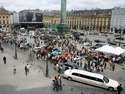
63 11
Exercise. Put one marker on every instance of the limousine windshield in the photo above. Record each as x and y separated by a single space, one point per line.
105 79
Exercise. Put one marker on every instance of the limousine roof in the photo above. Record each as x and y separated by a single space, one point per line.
87 73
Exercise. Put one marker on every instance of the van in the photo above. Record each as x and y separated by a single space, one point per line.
91 78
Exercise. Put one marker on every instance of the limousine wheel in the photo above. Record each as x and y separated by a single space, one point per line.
111 89
69 78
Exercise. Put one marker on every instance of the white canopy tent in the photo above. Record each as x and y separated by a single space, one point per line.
110 50
119 50
106 49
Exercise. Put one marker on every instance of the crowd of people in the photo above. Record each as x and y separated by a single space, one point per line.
93 61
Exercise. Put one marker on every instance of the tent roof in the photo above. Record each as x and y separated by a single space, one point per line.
119 50
106 49
110 50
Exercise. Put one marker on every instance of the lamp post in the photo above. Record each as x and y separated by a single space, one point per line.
47 68
14 33
0 45
120 36
15 51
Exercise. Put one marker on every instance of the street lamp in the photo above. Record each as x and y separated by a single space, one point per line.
47 68
121 32
0 45
14 33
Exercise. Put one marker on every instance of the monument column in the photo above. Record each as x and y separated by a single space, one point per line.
63 11
62 27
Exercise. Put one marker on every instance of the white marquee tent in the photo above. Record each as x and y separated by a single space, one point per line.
110 50
119 50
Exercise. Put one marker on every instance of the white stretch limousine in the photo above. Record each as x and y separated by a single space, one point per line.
91 78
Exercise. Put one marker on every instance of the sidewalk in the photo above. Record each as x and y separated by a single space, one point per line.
34 79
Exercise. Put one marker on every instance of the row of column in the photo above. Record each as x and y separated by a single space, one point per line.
90 28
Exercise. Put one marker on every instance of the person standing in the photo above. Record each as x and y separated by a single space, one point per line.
2 49
105 65
11 42
113 67
55 84
4 60
119 89
14 69
59 82
28 67
26 70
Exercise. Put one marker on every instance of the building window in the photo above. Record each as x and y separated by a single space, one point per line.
7 16
3 17
7 22
3 21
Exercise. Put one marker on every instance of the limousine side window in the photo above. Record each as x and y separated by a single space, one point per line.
91 78
88 77
75 74
99 80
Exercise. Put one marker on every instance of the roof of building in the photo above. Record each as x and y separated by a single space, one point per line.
72 12
90 12
3 10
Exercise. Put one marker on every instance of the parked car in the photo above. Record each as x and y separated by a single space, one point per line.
36 49
87 44
77 58
113 43
98 45
82 34
110 32
28 45
68 65
65 55
91 78
120 39
56 51
24 34
99 41
67 36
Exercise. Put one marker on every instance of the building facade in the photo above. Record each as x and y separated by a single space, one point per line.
90 20
5 18
118 20
87 20
51 17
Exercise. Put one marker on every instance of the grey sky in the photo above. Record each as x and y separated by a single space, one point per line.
17 5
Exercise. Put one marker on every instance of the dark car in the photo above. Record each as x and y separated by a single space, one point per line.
98 45
82 34
120 40
99 41
67 65
112 43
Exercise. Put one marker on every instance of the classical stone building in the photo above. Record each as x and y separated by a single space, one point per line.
51 17
5 18
88 20
118 19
